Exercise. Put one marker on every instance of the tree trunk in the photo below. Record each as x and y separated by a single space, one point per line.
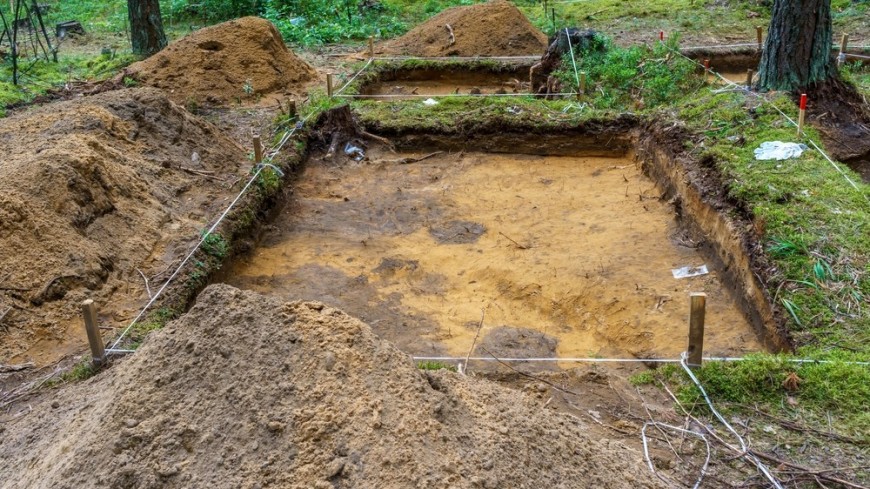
146 26
797 52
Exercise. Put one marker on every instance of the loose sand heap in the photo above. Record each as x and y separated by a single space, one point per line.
495 28
239 60
247 391
90 190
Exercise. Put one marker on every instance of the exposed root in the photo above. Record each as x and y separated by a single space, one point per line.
452 40
339 126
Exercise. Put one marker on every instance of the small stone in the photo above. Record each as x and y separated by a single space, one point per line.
275 426
169 471
55 405
329 360
335 467
131 423
487 464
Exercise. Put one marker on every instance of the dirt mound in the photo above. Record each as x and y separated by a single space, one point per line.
495 28
247 391
240 60
90 190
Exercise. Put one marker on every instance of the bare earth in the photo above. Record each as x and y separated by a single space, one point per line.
91 190
250 391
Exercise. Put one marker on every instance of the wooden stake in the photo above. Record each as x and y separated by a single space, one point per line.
553 13
329 85
706 71
698 304
291 109
802 114
583 82
758 34
844 43
371 47
95 340
258 149
749 74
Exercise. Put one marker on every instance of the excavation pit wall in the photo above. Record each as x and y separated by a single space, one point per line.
406 79
420 250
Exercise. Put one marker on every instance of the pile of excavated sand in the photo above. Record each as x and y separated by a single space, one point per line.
247 391
495 28
239 60
90 190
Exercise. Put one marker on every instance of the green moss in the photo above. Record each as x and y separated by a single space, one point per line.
462 114
155 320
812 222
436 366
215 245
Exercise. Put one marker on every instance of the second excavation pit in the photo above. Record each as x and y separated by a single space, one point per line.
568 256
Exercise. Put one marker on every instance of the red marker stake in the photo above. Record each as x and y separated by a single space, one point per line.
662 36
802 114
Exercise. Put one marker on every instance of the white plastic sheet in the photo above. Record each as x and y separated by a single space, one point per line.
778 150
689 271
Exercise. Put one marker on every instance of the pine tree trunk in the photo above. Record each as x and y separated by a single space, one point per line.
797 52
146 26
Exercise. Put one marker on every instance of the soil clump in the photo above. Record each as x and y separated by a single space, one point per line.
495 28
242 60
250 391
91 190
842 117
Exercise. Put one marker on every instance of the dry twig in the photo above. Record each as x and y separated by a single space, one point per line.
452 40
514 242
474 341
147 287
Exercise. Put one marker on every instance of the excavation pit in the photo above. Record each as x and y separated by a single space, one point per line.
445 79
569 256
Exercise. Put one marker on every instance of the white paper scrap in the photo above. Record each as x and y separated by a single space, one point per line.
689 271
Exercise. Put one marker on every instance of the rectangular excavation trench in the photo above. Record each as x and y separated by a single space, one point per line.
441 80
563 241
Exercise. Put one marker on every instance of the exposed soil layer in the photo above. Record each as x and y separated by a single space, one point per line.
241 60
417 83
578 249
729 237
495 28
91 190
842 117
250 391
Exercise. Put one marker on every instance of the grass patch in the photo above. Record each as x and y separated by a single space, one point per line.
813 223
858 74
157 319
638 77
774 383
459 114
37 77
429 365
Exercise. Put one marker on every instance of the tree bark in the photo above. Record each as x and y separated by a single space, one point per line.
146 27
797 52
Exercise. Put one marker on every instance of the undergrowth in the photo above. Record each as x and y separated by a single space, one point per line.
39 76
819 393
638 77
